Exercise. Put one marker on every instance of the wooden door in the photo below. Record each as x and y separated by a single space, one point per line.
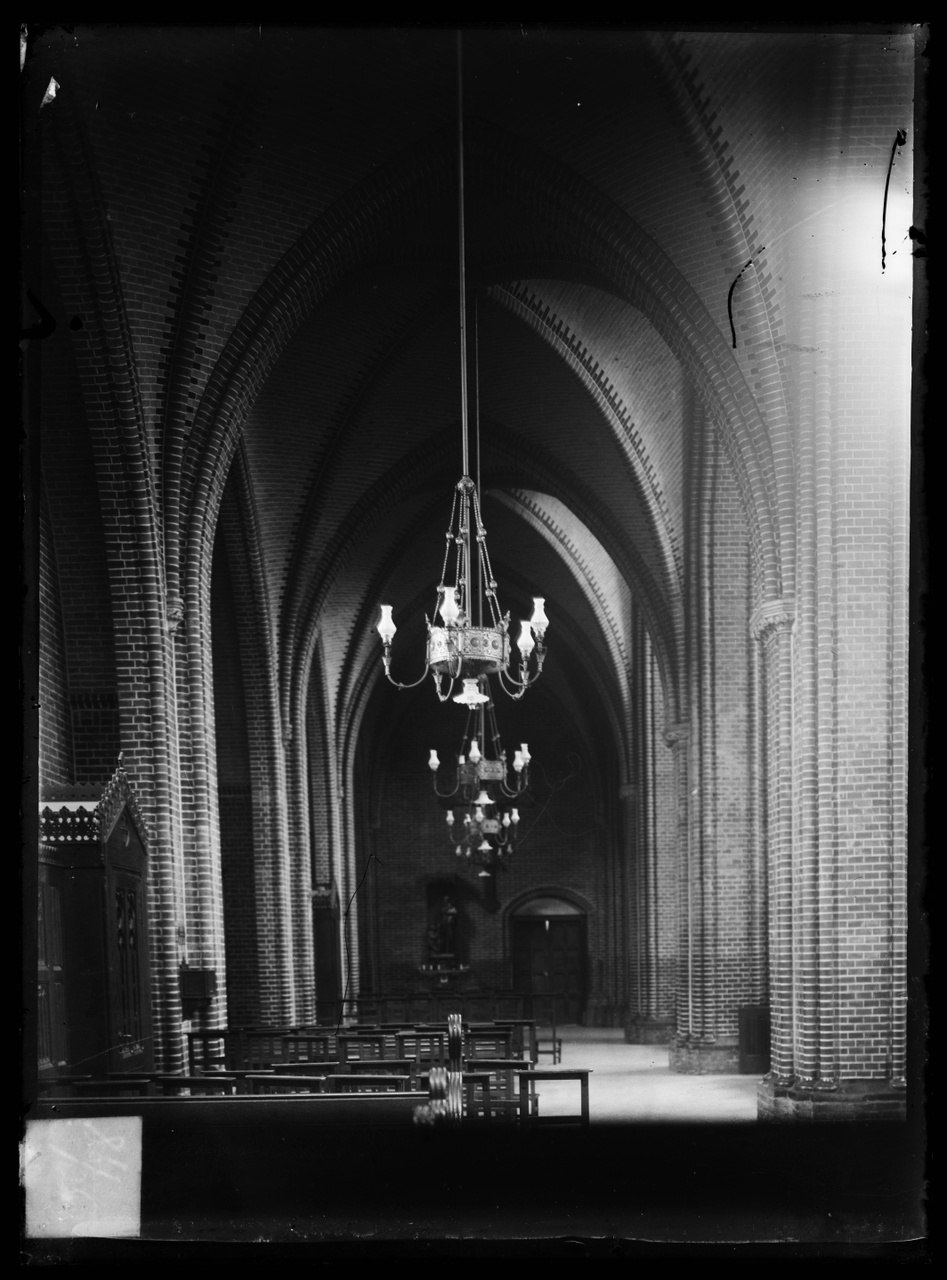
327 945
129 1032
51 995
549 960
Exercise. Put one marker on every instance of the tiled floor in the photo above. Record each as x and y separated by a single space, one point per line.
634 1082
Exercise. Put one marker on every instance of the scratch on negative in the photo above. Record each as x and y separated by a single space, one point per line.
733 333
900 139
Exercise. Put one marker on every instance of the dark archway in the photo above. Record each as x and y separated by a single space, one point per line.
549 946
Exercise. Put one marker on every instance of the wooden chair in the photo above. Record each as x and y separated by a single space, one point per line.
548 1040
211 1049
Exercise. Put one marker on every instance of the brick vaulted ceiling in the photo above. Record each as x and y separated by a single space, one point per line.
281 207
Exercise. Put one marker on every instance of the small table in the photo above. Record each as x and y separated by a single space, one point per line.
525 1077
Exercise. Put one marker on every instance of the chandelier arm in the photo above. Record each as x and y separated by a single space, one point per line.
515 689
512 793
397 683
445 795
445 696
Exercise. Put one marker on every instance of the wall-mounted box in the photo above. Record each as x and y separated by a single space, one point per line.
198 988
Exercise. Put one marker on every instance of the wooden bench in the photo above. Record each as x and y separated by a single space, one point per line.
363 1082
427 1048
272 1082
210 1084
361 1046
337 1082
108 1088
150 1084
245 1113
488 1042
304 1046
502 1073
474 1108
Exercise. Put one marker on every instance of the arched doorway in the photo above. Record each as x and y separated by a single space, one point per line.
549 947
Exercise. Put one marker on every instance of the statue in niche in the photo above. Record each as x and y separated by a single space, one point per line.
440 935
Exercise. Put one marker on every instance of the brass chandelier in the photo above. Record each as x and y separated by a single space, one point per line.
464 646
483 816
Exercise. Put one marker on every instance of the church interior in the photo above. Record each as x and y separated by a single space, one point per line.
592 355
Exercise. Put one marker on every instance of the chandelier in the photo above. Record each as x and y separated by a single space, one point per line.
483 817
465 646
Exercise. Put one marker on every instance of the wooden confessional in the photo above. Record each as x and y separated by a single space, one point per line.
94 996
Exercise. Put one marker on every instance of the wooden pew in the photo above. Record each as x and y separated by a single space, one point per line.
246 1119
365 1082
212 1083
483 1041
271 1082
108 1088
502 1073
306 1046
427 1048
371 1046
474 1083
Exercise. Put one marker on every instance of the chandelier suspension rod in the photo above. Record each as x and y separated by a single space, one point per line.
463 275
463 648
476 340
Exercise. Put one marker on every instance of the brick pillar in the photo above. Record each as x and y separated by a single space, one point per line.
772 628
838 993
301 884
201 834
648 1016
677 737
697 1046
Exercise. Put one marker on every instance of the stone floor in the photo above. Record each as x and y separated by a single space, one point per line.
630 1082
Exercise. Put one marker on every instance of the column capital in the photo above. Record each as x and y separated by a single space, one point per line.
676 733
174 614
628 791
771 615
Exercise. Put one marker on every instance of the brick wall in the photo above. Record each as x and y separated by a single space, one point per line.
55 725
